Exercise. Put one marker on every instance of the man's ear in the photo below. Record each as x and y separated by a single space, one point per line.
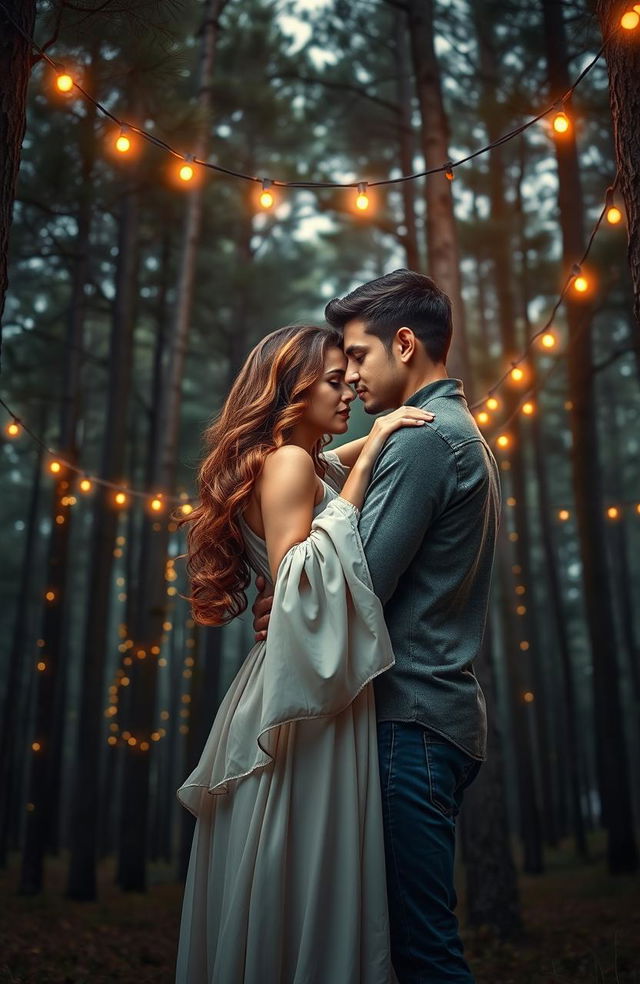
406 341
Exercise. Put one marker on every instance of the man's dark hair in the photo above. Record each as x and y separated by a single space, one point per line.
399 299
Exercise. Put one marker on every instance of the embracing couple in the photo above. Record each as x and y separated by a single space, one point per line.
327 791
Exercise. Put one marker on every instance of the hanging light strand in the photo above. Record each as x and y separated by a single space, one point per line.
446 167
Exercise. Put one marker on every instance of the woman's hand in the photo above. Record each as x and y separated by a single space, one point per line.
384 426
355 487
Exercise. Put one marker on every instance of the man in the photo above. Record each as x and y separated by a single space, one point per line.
428 525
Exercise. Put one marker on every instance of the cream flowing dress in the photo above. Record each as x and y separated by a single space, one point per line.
286 879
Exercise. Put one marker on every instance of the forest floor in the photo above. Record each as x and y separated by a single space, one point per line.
582 927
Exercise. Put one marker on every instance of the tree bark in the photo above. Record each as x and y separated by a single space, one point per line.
15 70
443 253
611 749
623 62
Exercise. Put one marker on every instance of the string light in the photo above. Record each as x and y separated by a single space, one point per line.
613 512
362 201
503 441
85 485
630 20
55 467
517 374
266 197
548 340
493 403
156 503
528 408
12 429
614 215
123 141
580 281
483 417
185 171
561 122
449 171
120 499
64 82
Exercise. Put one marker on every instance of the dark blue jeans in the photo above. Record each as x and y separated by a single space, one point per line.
423 777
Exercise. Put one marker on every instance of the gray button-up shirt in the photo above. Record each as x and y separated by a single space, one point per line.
428 525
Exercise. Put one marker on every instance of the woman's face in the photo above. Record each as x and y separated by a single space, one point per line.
329 398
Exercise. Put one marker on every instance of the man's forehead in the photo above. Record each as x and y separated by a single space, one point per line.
355 335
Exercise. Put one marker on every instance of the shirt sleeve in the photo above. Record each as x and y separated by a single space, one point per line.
412 481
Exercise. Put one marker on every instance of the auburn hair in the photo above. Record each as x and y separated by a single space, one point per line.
267 399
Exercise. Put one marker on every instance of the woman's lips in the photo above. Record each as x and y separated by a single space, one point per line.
344 413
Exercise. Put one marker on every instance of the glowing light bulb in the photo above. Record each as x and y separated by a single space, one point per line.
483 417
123 142
186 509
630 20
528 408
12 429
266 198
614 215
85 485
64 82
564 515
55 467
120 499
517 374
503 441
613 512
561 122
157 504
362 201
581 284
492 403
528 697
548 340
186 172
449 173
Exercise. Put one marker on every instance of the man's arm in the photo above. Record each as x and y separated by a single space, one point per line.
412 481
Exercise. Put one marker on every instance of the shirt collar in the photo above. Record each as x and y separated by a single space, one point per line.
439 387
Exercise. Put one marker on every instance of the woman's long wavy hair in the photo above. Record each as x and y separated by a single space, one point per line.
267 399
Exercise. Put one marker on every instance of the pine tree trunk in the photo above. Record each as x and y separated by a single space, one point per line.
86 800
623 62
442 239
612 758
15 70
491 877
406 142
17 657
147 626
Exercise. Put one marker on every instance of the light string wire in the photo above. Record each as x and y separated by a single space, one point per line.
447 167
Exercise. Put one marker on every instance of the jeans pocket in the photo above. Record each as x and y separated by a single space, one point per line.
449 770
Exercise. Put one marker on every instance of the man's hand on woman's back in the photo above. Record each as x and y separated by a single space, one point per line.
261 609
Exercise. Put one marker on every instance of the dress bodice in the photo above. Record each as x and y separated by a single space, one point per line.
255 546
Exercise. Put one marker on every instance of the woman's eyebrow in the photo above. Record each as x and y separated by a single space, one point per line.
330 372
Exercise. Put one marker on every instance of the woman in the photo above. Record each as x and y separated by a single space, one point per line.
286 879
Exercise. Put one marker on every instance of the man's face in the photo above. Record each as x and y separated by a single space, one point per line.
377 374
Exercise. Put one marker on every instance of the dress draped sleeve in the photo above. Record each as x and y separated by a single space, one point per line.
336 473
327 639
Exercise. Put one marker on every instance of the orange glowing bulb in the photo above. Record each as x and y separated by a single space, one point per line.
120 498
561 122
483 417
186 509
266 199
613 512
157 504
548 340
55 467
123 144
85 485
630 20
503 441
186 172
517 374
581 284
362 202
528 408
563 515
12 429
613 215
64 82
492 403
